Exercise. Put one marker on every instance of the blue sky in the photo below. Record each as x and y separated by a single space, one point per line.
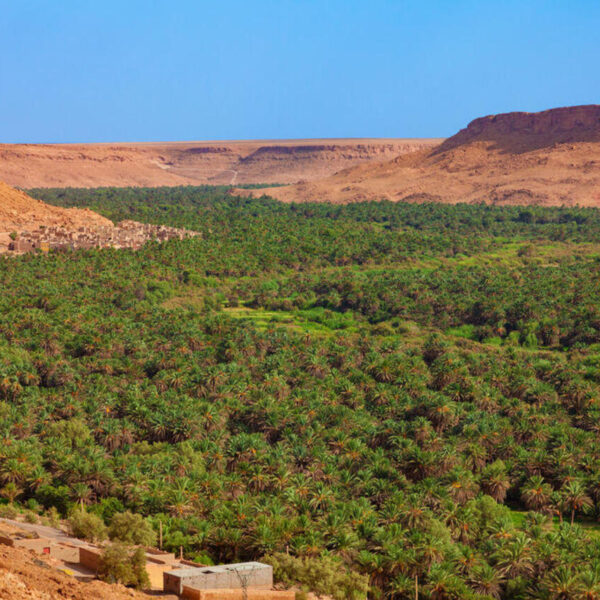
150 70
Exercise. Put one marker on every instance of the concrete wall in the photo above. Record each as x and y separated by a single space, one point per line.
90 557
219 577
225 594
160 556
156 573
172 583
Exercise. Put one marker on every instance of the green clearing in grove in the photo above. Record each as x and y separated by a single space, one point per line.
366 395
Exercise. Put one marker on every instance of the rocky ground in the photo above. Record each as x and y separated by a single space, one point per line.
550 158
27 225
25 576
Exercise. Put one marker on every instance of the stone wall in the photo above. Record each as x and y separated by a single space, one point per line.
225 594
127 234
90 558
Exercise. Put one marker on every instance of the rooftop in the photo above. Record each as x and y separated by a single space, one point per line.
217 569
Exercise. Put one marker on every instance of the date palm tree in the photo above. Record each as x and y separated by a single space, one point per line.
495 481
485 580
536 493
575 498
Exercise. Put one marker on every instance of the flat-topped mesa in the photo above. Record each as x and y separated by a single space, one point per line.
192 163
551 158
523 131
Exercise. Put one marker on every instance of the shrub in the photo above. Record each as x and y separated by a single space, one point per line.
31 517
53 516
8 511
54 497
323 576
202 558
132 529
87 526
107 508
11 492
120 564
33 505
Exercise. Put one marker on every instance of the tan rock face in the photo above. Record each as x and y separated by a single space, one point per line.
190 163
18 211
522 132
549 158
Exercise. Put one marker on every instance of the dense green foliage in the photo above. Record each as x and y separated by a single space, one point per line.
87 526
327 576
389 386
132 529
122 564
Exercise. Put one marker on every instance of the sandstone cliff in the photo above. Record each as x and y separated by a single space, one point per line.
546 158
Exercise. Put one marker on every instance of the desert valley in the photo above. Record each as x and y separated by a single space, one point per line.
550 158
300 300
375 379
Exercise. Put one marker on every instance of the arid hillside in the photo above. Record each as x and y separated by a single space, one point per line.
19 212
27 577
545 158
191 163
27 224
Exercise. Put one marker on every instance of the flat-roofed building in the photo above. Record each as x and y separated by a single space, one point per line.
253 574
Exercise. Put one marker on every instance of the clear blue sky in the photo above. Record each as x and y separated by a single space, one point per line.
143 70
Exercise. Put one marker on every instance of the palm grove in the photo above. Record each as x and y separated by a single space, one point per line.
401 394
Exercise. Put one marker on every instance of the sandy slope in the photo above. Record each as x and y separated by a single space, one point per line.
546 158
19 212
191 163
24 576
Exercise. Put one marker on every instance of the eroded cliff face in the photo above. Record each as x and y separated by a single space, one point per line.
548 158
190 163
523 132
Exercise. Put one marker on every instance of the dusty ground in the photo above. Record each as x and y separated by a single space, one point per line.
191 163
547 158
29 225
19 211
24 576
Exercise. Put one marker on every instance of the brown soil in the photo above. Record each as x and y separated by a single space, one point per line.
24 576
546 158
19 212
28 225
191 163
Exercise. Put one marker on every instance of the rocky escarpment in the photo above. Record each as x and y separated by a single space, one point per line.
523 131
190 163
546 158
